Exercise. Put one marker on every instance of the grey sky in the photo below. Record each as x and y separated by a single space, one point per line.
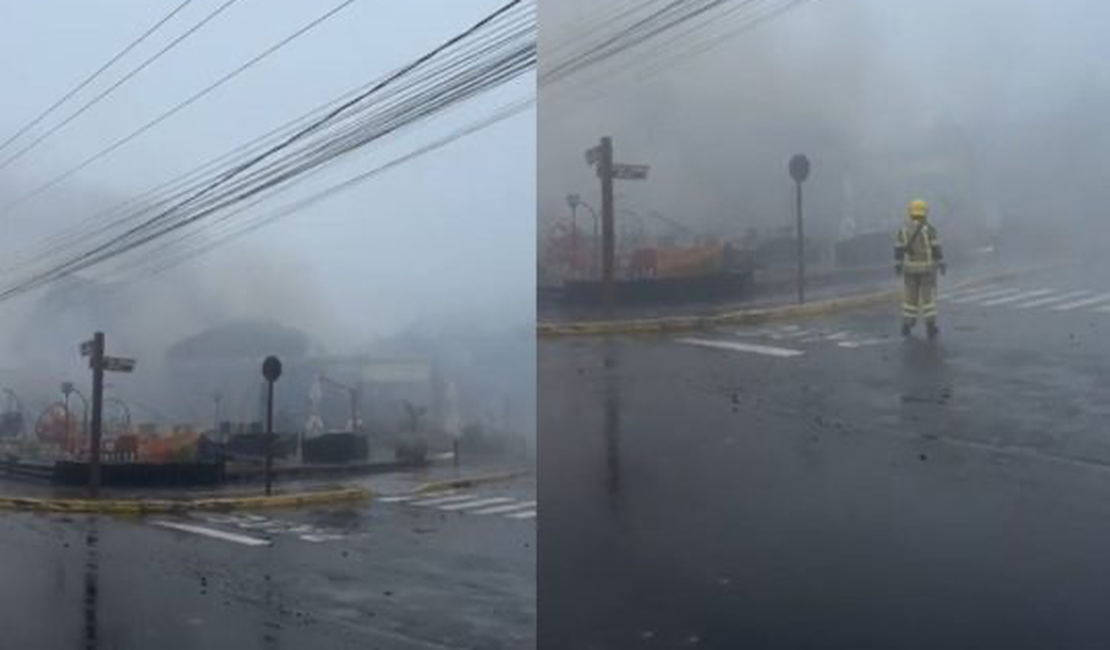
449 233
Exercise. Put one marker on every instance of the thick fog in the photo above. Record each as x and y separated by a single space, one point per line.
354 274
993 110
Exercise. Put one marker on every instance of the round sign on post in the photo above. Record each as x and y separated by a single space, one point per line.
271 368
799 168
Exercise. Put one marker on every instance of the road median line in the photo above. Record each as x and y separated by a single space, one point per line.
163 506
752 316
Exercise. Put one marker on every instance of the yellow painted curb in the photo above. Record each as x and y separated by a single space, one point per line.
469 481
739 317
155 506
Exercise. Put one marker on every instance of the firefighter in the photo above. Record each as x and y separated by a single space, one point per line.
918 256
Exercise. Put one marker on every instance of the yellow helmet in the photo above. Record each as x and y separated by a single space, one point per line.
919 209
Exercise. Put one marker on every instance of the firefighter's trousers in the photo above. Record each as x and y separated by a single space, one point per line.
920 297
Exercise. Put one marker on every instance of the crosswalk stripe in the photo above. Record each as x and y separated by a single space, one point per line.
1086 302
968 293
466 505
441 500
499 510
1060 297
531 514
736 346
997 293
994 302
398 498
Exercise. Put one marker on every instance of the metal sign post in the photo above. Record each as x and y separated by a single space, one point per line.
799 171
608 171
271 370
99 363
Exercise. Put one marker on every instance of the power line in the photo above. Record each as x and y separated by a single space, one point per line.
518 56
681 47
127 77
159 261
178 107
180 187
89 79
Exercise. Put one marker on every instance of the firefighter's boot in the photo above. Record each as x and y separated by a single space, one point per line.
932 328
907 326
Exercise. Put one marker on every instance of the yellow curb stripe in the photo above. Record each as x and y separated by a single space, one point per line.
740 317
151 506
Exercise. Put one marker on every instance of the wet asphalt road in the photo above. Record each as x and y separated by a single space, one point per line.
384 575
826 484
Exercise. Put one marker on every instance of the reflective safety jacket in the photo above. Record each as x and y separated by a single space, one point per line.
918 248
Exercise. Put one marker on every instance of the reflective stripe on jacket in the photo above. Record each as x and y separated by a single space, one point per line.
922 253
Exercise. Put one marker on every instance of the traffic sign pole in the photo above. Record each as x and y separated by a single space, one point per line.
271 370
801 244
608 236
97 362
799 171
608 171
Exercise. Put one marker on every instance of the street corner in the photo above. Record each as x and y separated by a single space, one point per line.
507 493
471 480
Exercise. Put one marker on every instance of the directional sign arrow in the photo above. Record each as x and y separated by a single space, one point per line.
630 172
593 155
118 364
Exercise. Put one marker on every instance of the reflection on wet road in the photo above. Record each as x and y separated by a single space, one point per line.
868 492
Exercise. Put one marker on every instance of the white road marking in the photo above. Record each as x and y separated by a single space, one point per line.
751 333
974 292
1060 297
499 510
267 526
321 537
1016 297
743 347
466 505
397 498
1105 310
838 336
531 514
440 500
1086 302
998 293
212 532
795 334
